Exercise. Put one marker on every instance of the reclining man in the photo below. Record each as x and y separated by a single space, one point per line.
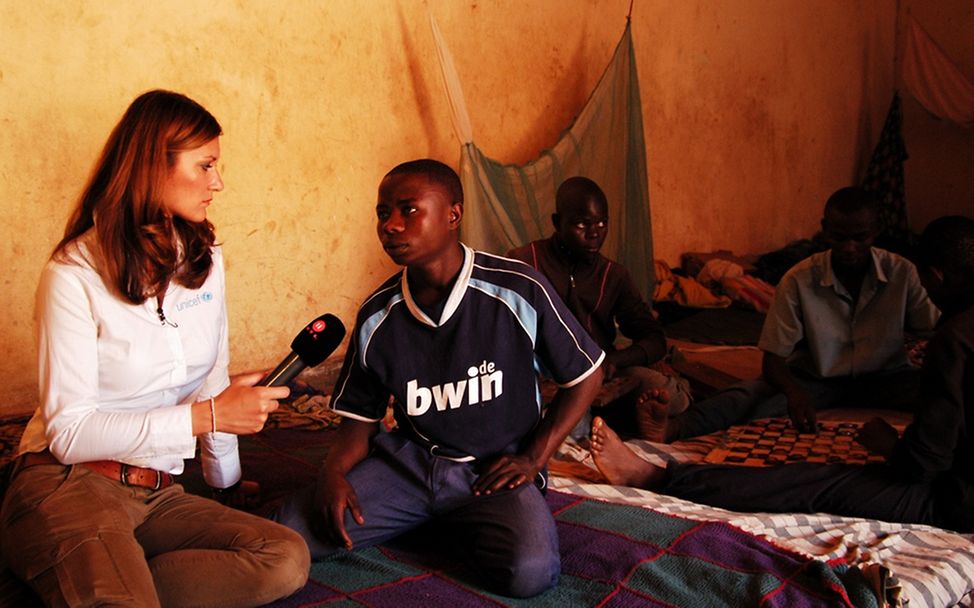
928 476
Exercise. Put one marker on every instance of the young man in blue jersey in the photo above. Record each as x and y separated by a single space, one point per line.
457 339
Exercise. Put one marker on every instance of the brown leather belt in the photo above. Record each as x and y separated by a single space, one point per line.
126 474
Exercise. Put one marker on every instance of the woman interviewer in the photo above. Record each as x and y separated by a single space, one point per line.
133 356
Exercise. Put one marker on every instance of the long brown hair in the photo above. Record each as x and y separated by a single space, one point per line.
141 247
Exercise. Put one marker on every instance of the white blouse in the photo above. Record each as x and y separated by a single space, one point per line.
116 383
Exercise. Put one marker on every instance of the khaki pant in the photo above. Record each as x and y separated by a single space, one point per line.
81 539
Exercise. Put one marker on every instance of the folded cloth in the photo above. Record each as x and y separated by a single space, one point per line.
716 270
685 291
751 291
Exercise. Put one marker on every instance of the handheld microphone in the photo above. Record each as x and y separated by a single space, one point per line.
310 347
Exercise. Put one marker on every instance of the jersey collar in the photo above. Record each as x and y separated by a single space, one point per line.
452 301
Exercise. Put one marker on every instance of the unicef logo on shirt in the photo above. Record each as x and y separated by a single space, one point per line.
202 298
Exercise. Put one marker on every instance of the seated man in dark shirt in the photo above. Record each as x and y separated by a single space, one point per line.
928 476
600 294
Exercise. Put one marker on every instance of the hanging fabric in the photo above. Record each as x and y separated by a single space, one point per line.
935 80
510 205
884 176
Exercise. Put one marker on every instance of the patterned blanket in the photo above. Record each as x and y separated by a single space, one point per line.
612 555
935 567
646 550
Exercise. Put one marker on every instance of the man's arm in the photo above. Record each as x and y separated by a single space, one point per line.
630 356
512 470
879 437
783 329
636 322
921 313
929 444
333 493
777 373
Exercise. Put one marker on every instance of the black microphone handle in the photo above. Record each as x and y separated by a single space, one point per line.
290 367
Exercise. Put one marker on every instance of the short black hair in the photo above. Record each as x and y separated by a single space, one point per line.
947 243
576 189
853 199
436 171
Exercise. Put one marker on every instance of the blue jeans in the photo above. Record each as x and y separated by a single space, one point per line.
401 486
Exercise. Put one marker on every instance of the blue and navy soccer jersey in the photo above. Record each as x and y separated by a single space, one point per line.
466 386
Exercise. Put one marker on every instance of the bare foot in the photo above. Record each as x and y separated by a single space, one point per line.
652 416
619 464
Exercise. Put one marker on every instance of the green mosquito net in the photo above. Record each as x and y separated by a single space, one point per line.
510 205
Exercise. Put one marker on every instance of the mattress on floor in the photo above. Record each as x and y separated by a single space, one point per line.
934 566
